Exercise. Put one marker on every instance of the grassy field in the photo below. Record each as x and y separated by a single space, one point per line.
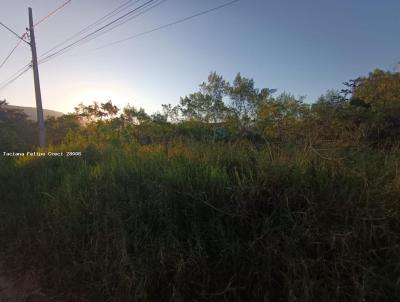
208 222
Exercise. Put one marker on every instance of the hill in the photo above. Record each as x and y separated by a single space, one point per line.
31 112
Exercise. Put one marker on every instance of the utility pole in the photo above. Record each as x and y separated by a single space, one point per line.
38 94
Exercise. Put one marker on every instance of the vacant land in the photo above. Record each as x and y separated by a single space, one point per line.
276 201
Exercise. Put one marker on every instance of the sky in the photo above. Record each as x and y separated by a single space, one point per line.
302 47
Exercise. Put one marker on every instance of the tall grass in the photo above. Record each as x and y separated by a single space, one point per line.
209 222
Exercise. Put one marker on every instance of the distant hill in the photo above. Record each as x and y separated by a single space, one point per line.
31 112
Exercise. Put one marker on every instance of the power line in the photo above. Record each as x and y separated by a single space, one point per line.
24 69
53 12
94 24
17 72
132 17
15 76
62 51
26 33
97 31
169 24
13 32
101 20
113 13
68 47
100 30
9 55
13 50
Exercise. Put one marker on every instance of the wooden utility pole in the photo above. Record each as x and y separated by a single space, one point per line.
38 94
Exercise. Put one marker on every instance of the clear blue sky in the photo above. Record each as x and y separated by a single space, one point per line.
303 47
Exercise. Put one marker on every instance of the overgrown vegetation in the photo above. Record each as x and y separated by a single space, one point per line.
233 195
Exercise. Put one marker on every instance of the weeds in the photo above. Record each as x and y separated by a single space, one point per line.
208 222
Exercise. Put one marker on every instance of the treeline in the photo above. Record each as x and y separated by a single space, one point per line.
367 111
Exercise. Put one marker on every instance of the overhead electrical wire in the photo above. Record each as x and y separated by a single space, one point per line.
15 76
22 38
150 4
157 3
10 54
169 24
103 29
53 12
84 41
97 31
62 51
13 32
134 16
13 50
94 24
116 11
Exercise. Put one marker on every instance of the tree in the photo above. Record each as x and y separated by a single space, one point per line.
58 128
110 109
82 111
96 111
283 116
245 100
380 90
332 99
159 118
375 102
16 131
207 104
170 112
215 90
9 115
133 115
